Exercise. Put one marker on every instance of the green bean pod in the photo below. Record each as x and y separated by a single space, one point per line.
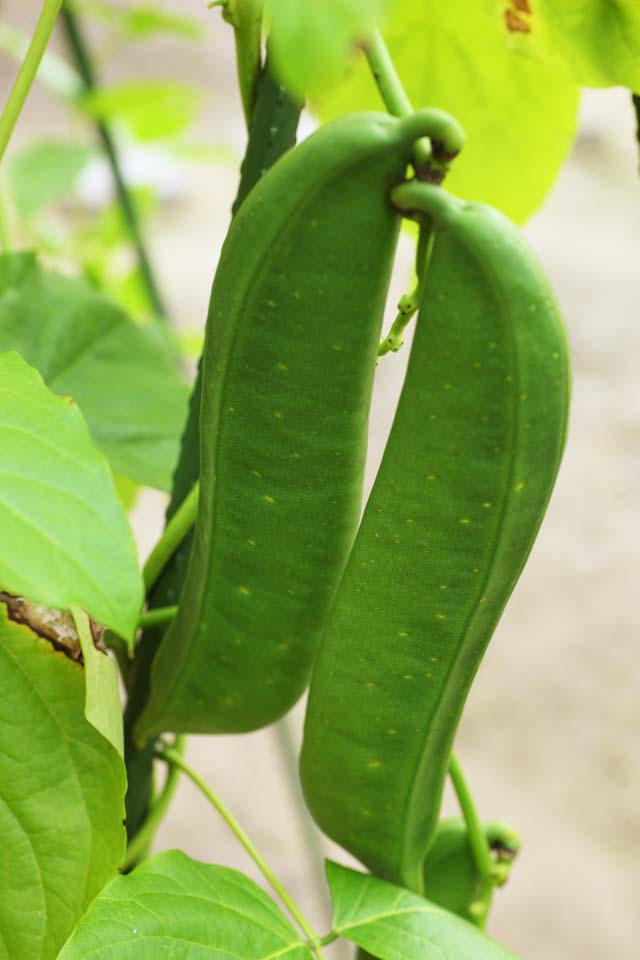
289 358
451 878
460 494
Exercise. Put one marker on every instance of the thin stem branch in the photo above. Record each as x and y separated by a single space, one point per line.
171 757
143 839
477 839
86 70
27 72
157 616
391 89
174 532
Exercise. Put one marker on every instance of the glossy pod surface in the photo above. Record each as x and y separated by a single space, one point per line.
289 358
464 482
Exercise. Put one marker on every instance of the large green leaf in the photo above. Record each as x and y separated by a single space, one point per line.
519 113
311 41
599 40
394 924
62 790
64 534
44 171
123 376
174 907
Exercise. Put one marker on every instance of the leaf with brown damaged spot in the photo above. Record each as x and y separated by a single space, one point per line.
62 789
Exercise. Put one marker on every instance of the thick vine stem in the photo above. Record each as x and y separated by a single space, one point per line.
27 72
137 849
245 16
172 757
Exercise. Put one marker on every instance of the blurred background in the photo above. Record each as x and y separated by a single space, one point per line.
551 732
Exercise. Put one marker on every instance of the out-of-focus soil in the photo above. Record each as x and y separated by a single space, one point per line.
550 735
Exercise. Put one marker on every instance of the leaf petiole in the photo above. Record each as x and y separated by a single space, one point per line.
175 531
173 758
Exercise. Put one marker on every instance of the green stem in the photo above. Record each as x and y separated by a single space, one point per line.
86 70
410 302
153 618
477 840
245 16
27 72
391 89
171 757
143 839
175 531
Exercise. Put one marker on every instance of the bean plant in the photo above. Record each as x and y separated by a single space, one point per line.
272 578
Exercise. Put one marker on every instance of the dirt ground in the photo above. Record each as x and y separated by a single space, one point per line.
550 736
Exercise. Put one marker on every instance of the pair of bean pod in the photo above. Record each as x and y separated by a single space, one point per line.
393 614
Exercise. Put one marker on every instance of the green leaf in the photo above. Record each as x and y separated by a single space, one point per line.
102 706
599 40
65 537
62 792
141 20
311 41
151 110
519 114
123 376
43 172
394 924
172 906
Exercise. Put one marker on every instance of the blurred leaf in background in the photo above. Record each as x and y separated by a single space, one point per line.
44 172
139 20
151 110
599 40
519 113
312 41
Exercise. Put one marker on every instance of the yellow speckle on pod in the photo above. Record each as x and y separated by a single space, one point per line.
492 344
431 476
402 633
365 813
519 487
277 415
482 600
487 505
433 659
251 542
284 646
256 473
465 521
370 684
428 674
373 764
392 732
409 676
441 616
443 586
229 701
280 365
268 499
477 364
447 386
244 591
